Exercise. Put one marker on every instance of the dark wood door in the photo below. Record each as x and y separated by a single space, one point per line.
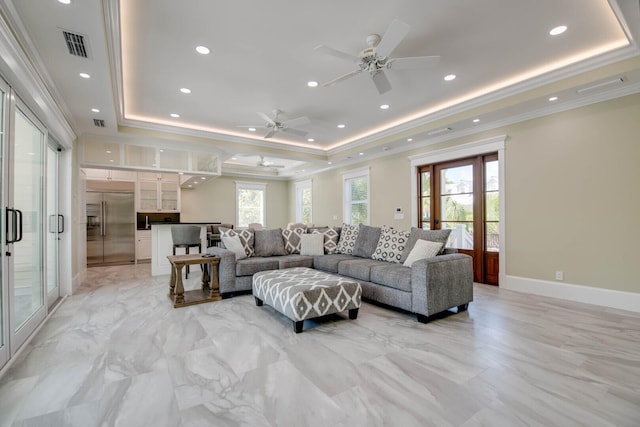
463 195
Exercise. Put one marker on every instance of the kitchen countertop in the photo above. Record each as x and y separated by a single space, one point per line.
178 223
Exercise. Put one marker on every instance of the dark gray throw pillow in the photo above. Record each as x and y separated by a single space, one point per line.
367 241
269 242
440 236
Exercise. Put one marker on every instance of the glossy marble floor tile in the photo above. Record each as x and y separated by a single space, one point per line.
118 354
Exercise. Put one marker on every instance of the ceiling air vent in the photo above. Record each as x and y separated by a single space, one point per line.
75 44
98 123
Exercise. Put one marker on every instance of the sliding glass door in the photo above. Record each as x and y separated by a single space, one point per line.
26 212
4 306
55 226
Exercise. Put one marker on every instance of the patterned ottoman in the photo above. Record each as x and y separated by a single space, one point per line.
304 293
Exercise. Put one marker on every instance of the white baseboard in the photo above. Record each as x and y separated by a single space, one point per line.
598 296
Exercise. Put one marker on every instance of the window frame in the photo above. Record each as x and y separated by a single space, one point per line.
252 186
301 186
347 203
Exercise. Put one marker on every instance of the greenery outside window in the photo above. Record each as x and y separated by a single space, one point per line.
356 197
250 203
304 202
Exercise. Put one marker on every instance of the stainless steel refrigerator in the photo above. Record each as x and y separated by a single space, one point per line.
110 228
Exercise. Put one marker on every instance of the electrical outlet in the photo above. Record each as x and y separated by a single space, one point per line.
559 275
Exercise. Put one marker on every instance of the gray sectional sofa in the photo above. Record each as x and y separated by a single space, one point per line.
427 287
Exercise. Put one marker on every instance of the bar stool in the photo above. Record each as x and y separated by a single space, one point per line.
186 236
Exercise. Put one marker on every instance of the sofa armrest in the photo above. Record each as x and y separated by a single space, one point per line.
441 282
226 267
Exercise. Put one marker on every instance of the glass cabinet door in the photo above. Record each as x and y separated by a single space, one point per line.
169 196
148 195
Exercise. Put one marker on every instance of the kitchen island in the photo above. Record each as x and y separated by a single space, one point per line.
162 245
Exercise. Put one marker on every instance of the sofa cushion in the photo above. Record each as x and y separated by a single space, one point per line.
392 275
234 244
348 237
269 242
391 245
423 249
359 268
246 237
331 236
250 266
367 241
291 238
329 263
312 244
419 234
291 261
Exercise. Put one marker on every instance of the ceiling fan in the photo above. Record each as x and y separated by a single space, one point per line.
274 124
267 164
375 58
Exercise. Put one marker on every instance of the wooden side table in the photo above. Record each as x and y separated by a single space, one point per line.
210 290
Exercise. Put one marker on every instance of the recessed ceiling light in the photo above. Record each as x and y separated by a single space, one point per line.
111 160
409 139
234 158
189 185
312 83
450 77
329 163
195 182
202 177
108 151
203 50
384 107
341 126
162 151
180 173
174 115
185 90
361 154
310 139
65 1
476 120
553 98
252 129
558 30
95 110
85 76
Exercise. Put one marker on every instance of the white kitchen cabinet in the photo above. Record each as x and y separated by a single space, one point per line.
110 175
158 192
143 245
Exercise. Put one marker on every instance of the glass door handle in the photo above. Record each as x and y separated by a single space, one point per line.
10 220
60 224
19 215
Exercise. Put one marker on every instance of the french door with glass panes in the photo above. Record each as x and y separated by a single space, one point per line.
463 195
23 178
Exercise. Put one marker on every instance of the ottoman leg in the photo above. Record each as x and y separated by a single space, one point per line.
258 302
353 313
297 326
463 307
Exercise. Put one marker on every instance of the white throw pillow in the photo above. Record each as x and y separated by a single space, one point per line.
234 244
422 250
312 244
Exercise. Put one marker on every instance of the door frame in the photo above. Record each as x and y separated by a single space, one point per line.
464 150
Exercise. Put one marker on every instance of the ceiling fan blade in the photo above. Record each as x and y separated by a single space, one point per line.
266 118
396 32
381 82
299 121
341 78
337 53
412 62
270 134
294 131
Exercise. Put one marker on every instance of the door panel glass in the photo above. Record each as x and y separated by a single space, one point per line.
456 205
27 193
52 224
3 321
492 206
461 236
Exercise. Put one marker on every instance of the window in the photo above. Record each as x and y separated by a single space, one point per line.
356 196
250 203
304 196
